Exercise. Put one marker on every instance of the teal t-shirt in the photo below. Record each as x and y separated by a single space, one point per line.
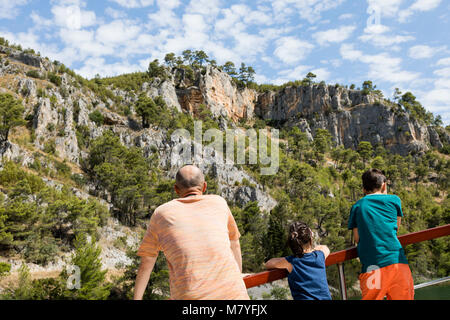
375 216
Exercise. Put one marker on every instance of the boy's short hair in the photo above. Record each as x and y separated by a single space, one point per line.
373 179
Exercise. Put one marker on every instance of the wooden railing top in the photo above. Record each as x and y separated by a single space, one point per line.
261 278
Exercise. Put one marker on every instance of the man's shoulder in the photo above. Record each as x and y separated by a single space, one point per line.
215 197
163 207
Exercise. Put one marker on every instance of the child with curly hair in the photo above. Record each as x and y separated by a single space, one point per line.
307 276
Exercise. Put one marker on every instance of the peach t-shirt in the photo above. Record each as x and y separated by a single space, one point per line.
194 233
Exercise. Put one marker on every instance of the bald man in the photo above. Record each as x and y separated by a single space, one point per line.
200 240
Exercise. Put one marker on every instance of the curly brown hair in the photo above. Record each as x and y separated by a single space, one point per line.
299 236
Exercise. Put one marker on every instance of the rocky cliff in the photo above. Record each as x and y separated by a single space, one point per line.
350 116
57 110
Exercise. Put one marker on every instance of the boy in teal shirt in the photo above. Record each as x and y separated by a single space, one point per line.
375 220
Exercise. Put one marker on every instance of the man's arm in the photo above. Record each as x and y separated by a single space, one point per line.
143 276
236 248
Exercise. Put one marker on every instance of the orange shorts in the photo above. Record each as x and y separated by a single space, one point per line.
394 282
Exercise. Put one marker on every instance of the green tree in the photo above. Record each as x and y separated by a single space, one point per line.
229 68
365 150
309 79
146 108
92 277
246 74
200 57
155 70
367 87
188 56
322 143
170 59
5 268
97 117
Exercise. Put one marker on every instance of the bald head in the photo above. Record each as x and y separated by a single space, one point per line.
190 177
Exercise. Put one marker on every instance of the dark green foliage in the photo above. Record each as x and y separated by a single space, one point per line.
155 70
126 175
129 82
157 288
33 74
147 109
36 219
11 115
415 109
97 117
55 79
322 195
92 277
5 268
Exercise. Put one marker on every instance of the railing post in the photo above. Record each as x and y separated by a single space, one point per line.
342 286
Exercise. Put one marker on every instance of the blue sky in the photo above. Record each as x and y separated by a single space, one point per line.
394 43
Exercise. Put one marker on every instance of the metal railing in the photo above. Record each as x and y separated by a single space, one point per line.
338 258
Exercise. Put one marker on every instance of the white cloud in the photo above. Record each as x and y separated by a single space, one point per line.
376 35
286 75
423 51
115 14
118 32
310 10
385 8
323 74
346 16
9 9
133 3
73 17
418 6
291 50
382 67
39 21
444 72
381 40
93 66
334 35
207 8
349 53
444 62
165 16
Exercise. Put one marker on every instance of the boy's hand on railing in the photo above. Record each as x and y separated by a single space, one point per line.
244 275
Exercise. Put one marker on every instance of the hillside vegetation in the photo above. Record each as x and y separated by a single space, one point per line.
42 212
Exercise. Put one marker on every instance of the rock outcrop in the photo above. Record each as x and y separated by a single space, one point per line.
349 115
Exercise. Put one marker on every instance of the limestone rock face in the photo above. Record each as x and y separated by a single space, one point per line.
221 94
227 176
350 117
27 58
165 89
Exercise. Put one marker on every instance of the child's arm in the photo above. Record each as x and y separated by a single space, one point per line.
278 263
324 249
355 235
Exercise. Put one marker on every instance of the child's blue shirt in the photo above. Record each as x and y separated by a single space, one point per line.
308 279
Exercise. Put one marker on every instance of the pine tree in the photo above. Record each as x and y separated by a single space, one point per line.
92 277
11 115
